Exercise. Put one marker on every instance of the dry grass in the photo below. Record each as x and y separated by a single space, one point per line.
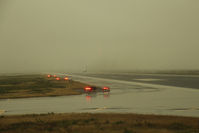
24 86
98 123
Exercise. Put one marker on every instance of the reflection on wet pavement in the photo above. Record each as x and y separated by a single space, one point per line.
91 95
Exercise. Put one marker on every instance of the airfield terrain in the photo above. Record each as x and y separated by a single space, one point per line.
35 103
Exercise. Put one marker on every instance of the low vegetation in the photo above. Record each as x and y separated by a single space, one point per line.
98 123
23 86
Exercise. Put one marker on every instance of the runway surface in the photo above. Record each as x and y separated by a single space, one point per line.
130 93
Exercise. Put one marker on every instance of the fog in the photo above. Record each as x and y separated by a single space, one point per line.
104 35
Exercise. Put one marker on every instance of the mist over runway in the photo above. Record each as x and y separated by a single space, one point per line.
49 35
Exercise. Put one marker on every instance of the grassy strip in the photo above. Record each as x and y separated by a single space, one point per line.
98 123
23 86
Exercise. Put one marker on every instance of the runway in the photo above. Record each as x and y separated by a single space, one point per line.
143 94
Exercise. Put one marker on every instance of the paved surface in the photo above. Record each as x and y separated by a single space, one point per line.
148 94
188 81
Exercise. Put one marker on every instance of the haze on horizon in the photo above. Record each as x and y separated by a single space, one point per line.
49 35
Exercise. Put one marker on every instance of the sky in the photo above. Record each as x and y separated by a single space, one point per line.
104 35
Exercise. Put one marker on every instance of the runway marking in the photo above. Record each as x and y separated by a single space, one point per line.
149 79
98 109
164 75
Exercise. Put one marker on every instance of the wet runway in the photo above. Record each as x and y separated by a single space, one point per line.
144 94
188 81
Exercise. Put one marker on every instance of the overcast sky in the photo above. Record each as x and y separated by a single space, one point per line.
54 35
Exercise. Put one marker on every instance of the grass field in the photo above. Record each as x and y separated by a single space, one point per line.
23 86
98 123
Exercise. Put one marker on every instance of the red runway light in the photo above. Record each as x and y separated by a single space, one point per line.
88 88
49 76
54 76
57 78
66 78
106 89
